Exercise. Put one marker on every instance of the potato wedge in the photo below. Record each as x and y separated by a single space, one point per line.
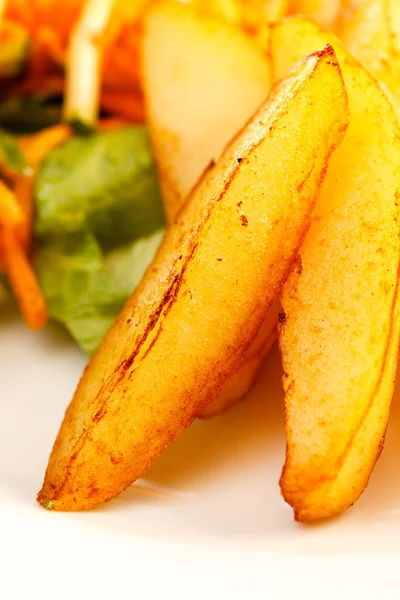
237 386
324 12
340 339
185 330
372 34
202 79
256 13
184 53
275 9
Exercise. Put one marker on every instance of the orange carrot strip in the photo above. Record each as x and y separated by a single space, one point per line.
10 211
51 44
23 11
22 188
122 64
7 172
37 146
110 124
23 282
59 17
24 192
125 105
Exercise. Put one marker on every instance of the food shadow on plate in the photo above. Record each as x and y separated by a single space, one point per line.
211 448
237 458
381 500
234 459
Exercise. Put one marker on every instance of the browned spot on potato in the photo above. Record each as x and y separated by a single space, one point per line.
116 458
298 265
244 220
153 341
99 415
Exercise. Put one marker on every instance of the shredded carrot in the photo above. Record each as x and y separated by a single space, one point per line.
110 124
39 63
22 11
125 105
121 62
36 147
57 16
8 172
10 211
24 192
51 43
23 281
121 66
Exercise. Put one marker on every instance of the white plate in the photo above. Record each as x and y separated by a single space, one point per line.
207 521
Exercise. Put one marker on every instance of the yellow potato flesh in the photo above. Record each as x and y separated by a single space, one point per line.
202 81
250 15
275 9
372 34
324 12
255 13
340 340
183 333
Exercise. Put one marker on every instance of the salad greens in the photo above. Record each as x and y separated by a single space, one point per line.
127 264
104 183
99 223
85 290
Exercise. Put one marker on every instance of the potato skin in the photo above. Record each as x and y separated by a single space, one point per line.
188 326
340 337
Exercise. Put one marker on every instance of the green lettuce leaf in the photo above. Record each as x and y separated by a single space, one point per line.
86 290
104 183
127 264
10 153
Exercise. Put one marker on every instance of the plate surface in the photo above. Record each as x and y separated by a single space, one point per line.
207 520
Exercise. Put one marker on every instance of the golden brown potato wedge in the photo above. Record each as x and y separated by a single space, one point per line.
185 330
185 54
202 79
372 34
324 12
237 387
340 340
